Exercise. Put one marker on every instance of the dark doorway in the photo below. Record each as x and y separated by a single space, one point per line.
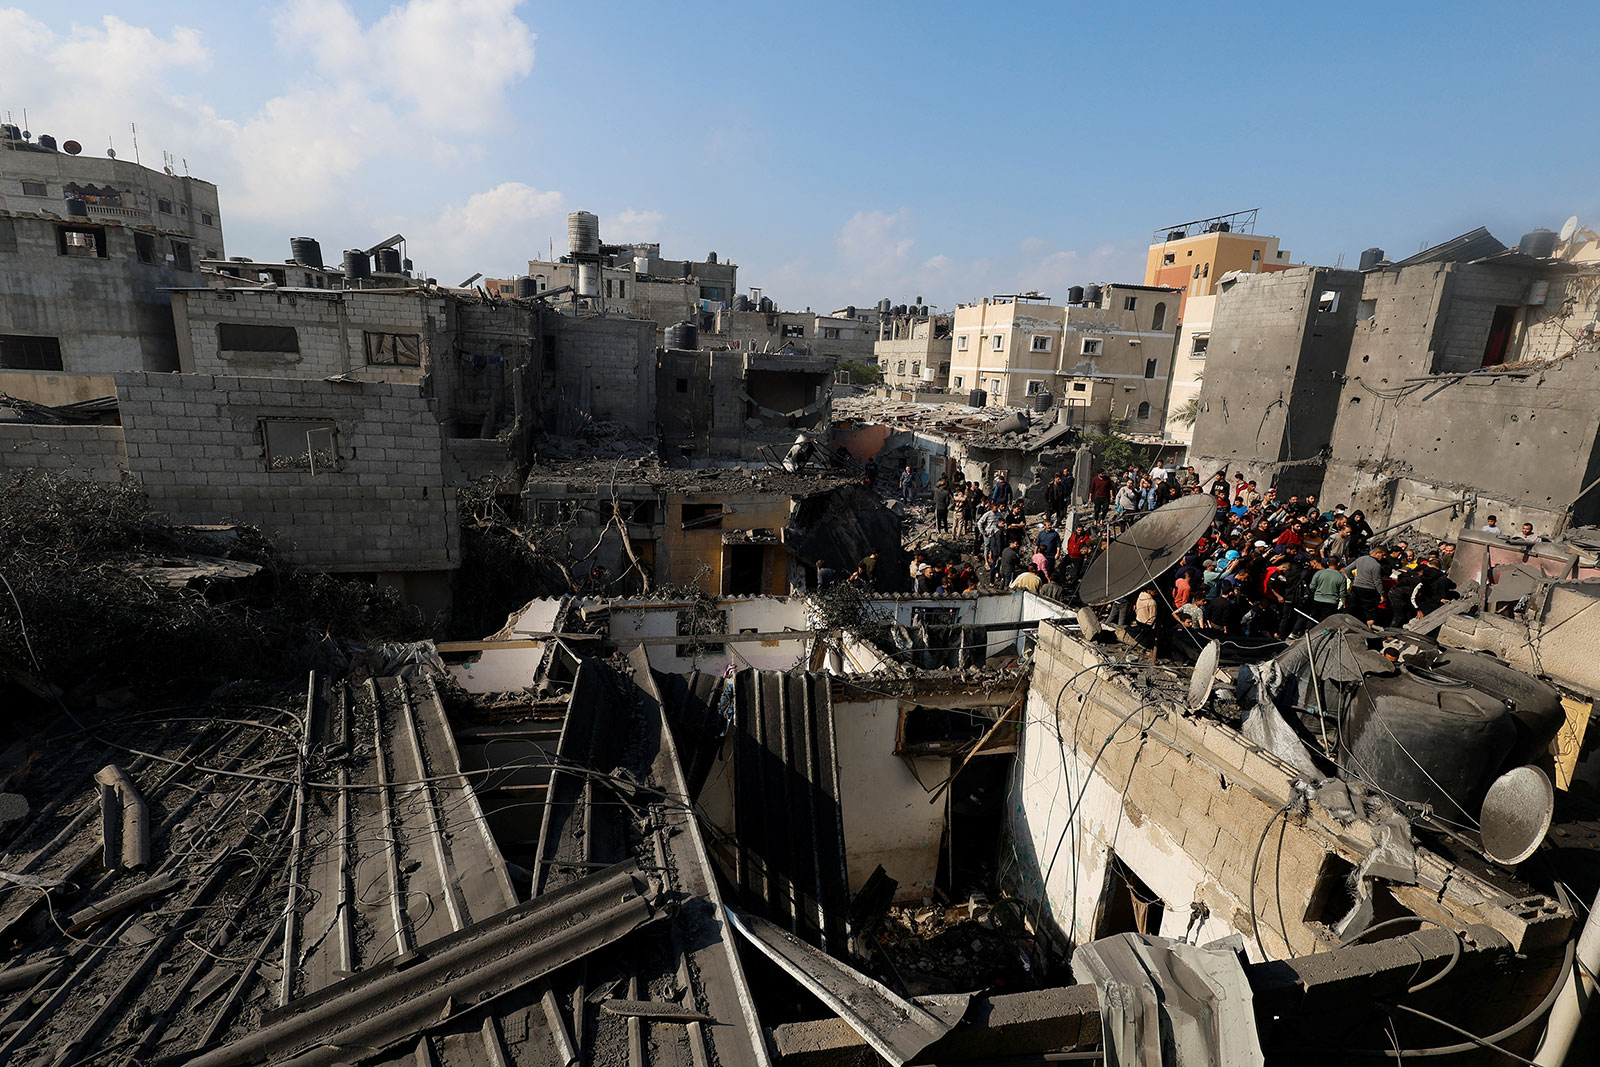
1505 318
744 570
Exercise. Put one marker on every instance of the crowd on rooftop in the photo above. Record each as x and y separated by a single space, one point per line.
1269 566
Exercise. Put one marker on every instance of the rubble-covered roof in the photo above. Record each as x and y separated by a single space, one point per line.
985 427
632 471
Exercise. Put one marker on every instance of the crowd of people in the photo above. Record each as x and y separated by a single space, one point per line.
1270 566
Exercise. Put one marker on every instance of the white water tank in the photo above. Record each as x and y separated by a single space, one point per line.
588 279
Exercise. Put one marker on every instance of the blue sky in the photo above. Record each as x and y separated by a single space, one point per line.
838 153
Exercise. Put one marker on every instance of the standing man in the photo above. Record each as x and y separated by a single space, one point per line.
908 484
1366 585
1056 498
1100 495
1002 489
941 506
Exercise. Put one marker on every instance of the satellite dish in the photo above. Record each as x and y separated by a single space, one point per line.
1516 814
111 153
1204 676
1146 550
1569 228
72 148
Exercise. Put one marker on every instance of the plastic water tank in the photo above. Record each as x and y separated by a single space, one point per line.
1091 295
683 337
977 398
768 304
388 261
1371 258
1042 401
356 265
306 250
583 233
741 303
47 142
526 287
77 208
9 132
588 279
1540 244
1074 294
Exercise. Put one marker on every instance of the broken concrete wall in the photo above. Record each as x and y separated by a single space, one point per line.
1270 394
1483 436
366 491
372 335
107 314
839 528
97 453
597 369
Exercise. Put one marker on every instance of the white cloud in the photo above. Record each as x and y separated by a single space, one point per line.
631 225
496 231
296 160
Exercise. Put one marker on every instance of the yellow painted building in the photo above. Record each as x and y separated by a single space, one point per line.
1194 256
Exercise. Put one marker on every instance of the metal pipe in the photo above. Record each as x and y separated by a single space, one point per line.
1578 992
1396 525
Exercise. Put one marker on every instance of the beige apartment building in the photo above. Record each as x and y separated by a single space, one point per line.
917 355
1106 354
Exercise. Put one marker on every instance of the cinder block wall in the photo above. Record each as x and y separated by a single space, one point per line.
93 452
195 441
1182 802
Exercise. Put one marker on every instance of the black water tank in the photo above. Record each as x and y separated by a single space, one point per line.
356 265
741 303
1175 235
388 261
1540 244
1091 295
47 142
683 337
306 250
526 287
406 265
77 208
1074 294
977 398
8 132
850 312
1535 704
1371 258
1428 738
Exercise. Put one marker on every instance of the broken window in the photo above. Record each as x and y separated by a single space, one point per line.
994 388
554 512
939 731
702 516
164 206
1158 318
393 349
1127 905
639 511
1149 368
1130 303
180 255
793 329
916 367
85 241
247 337
310 445
961 342
1035 386
1500 330
1255 256
1092 346
1169 259
1367 309
24 352
144 246
1040 343
33 188
997 342
713 292
1328 301
957 382
1143 411
701 620
1202 341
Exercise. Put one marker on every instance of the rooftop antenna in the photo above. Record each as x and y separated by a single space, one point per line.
135 131
111 148
185 166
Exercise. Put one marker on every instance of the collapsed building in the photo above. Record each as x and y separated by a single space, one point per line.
1417 390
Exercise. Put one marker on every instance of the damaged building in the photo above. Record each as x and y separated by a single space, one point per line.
1422 388
735 405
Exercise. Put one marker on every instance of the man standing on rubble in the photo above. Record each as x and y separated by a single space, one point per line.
1366 585
1002 489
1056 498
941 506
989 533
908 484
1100 495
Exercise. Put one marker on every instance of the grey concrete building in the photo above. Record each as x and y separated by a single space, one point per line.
1270 395
731 405
1459 384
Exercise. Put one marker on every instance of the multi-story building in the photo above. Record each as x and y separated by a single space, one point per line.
1194 257
915 354
1107 355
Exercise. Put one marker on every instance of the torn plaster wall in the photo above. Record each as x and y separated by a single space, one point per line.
510 670
888 819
